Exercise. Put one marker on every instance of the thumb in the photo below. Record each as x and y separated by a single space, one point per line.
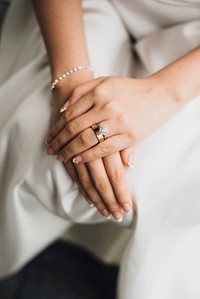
127 156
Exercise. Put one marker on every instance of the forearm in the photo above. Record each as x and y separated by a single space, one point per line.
182 77
62 27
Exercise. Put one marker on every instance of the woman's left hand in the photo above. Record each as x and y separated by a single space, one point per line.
127 109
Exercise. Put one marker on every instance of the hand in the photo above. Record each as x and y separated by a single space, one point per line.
104 184
64 90
101 182
131 109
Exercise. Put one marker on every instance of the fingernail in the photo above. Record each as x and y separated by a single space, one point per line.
120 219
49 139
127 207
50 151
90 203
64 108
60 158
117 216
105 213
131 160
77 159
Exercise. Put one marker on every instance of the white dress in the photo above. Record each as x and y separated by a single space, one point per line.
162 258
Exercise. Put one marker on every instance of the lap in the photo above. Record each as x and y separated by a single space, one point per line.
32 183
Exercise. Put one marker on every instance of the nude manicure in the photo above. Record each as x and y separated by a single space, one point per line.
105 213
127 207
76 160
50 151
64 108
120 219
60 158
131 160
117 216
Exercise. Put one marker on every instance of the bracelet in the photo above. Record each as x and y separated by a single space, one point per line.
67 74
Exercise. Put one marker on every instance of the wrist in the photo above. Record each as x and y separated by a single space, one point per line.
181 78
67 74
172 88
65 87
165 100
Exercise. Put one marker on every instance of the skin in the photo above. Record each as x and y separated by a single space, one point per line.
131 109
103 182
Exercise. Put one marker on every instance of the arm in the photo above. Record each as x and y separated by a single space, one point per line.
61 24
131 108
62 27
181 78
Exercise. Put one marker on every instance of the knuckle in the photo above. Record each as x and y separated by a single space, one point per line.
111 108
122 197
131 135
116 176
117 143
55 129
68 152
56 143
84 139
112 206
66 116
89 156
105 149
101 184
86 184
122 120
99 92
72 128
99 205
75 93
55 146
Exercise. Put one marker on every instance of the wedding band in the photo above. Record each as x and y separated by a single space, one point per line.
100 132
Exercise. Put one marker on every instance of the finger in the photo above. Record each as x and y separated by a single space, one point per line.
75 108
110 146
67 114
62 133
118 179
127 156
86 101
86 139
71 170
103 186
56 129
82 89
89 188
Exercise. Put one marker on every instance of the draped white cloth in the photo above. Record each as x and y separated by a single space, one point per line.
162 258
34 187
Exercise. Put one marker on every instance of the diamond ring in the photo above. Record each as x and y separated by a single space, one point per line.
100 132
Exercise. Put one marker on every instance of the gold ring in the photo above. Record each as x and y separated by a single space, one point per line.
100 132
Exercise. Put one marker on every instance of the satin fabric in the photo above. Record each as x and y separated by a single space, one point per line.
161 259
34 187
